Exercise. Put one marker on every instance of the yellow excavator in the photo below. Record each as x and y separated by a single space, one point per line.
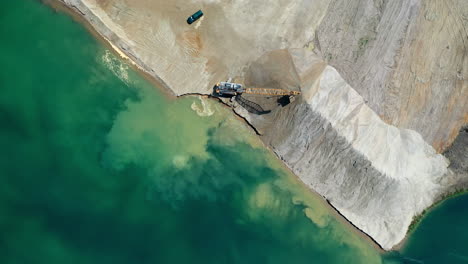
233 89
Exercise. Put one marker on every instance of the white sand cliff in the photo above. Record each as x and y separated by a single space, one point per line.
384 88
377 175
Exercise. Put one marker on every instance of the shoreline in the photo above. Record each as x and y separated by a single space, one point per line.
78 17
419 218
329 207
59 6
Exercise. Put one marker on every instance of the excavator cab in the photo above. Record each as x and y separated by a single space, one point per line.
228 89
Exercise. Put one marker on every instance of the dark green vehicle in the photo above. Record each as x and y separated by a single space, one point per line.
194 17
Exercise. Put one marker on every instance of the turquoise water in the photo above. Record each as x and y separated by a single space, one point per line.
441 236
98 166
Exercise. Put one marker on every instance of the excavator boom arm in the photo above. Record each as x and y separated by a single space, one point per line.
270 91
227 88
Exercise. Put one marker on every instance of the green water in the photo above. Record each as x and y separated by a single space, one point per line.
97 166
441 237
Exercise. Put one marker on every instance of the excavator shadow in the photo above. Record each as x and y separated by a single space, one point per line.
284 100
250 106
